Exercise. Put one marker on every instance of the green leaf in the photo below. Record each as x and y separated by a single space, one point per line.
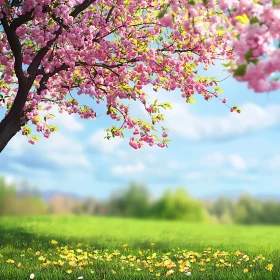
161 13
218 89
254 20
228 64
35 138
248 55
241 70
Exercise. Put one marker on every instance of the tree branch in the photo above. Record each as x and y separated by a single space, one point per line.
46 77
109 14
15 47
22 19
81 7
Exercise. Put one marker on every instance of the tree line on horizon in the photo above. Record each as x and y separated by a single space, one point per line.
135 201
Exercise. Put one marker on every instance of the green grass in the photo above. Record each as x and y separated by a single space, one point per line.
22 237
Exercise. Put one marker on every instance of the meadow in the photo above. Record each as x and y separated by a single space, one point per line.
116 248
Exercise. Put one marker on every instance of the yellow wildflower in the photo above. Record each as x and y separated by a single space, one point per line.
269 267
169 272
245 270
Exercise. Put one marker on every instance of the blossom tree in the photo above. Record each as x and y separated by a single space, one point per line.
54 51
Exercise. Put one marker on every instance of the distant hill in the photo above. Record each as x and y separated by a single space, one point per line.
49 194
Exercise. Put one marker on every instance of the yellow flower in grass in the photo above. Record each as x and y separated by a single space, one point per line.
169 272
10 261
54 242
269 267
202 269
1 256
72 263
19 265
69 271
245 270
41 258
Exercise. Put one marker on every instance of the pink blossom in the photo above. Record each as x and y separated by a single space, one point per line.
31 141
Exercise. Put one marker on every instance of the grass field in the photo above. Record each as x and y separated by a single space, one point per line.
112 248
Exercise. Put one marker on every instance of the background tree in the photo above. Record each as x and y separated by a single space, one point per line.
179 206
134 201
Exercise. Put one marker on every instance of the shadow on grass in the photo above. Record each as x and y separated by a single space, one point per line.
20 238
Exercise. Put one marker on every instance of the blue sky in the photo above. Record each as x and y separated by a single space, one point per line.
212 152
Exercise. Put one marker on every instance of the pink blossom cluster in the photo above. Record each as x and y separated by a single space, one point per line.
252 30
259 34
109 51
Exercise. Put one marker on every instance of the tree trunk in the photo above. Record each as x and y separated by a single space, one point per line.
8 129
14 120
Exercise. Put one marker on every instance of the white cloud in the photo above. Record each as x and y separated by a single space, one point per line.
238 162
128 169
60 149
64 151
64 121
16 147
252 118
218 159
106 146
